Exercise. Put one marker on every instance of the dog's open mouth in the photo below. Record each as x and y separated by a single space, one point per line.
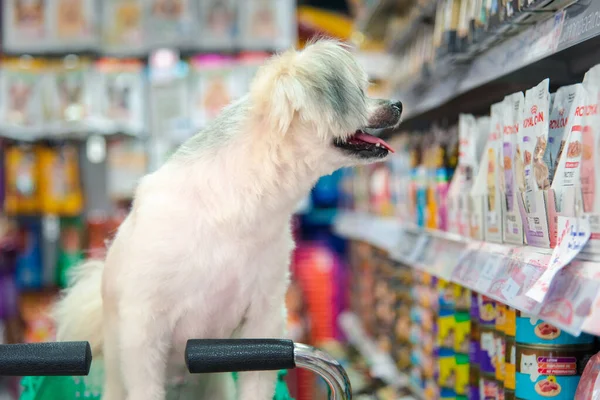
364 145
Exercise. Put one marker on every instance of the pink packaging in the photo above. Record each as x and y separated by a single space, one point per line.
589 384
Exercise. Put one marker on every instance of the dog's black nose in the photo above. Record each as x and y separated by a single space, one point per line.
398 106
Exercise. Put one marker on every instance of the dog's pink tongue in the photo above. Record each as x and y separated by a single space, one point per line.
365 137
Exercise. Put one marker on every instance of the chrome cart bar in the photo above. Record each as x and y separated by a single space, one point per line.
237 355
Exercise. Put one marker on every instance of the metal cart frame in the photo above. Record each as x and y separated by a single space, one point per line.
201 356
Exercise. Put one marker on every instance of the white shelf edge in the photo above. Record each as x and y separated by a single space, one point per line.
381 364
379 232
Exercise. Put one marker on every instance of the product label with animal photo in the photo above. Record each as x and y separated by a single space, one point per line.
119 92
25 24
215 83
169 22
69 95
544 372
568 171
218 27
21 89
535 138
73 24
590 175
267 24
513 110
122 26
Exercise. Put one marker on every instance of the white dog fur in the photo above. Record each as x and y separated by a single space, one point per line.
205 250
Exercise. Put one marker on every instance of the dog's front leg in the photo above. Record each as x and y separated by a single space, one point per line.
260 324
145 343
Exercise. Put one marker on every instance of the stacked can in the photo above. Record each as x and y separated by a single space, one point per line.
549 362
474 349
500 345
510 330
488 385
462 335
401 284
446 338
424 350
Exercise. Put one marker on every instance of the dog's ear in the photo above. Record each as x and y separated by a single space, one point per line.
277 93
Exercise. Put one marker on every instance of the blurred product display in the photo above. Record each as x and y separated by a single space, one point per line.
465 266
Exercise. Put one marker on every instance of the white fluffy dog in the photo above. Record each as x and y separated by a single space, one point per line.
204 252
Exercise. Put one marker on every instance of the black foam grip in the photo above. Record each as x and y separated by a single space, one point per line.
45 359
231 355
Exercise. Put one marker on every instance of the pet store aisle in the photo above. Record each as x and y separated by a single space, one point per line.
473 249
465 266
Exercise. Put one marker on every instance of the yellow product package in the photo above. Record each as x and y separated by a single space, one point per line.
22 181
59 181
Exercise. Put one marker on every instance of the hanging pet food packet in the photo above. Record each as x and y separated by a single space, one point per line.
21 90
25 25
535 138
70 95
513 111
218 27
119 96
568 170
127 164
216 82
495 176
170 123
590 168
60 187
267 24
513 167
170 23
559 118
22 180
122 27
73 24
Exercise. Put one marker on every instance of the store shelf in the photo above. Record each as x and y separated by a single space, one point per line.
381 364
502 272
577 23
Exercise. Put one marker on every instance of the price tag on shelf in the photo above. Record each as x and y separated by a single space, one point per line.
419 248
574 233
510 289
489 271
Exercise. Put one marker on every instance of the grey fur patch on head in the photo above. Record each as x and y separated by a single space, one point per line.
336 83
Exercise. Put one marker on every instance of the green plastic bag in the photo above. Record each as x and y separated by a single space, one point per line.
90 387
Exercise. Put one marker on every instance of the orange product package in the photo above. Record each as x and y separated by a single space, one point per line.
60 186
22 181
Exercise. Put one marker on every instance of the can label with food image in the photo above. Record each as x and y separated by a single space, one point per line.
550 372
531 330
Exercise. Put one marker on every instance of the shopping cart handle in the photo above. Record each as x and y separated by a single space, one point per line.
231 355
45 359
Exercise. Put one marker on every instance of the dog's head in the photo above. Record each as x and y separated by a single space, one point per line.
313 104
